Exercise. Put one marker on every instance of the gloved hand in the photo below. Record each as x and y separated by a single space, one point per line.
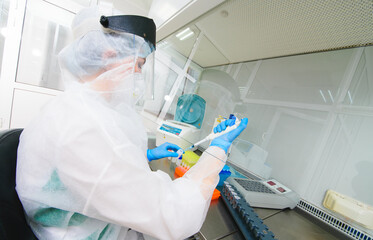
225 140
163 151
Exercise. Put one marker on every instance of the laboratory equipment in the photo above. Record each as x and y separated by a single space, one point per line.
350 208
249 223
184 129
213 135
265 193
181 134
189 159
190 109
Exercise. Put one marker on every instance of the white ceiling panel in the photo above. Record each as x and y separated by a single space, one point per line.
245 30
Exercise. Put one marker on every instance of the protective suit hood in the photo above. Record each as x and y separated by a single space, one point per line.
117 65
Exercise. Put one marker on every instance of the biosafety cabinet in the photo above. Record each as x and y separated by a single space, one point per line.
300 71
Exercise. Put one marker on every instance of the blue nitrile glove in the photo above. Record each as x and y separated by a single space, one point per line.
225 140
163 151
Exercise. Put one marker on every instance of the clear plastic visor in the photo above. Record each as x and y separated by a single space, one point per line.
147 71
144 64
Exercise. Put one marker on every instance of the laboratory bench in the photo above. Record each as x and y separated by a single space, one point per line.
286 224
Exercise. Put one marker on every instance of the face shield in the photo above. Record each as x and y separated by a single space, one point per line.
144 53
113 56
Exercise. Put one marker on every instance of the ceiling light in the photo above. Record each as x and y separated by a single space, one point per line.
186 36
186 33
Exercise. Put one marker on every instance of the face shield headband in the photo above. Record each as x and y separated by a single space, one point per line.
145 28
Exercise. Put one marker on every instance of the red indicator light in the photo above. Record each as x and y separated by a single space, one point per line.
281 189
271 183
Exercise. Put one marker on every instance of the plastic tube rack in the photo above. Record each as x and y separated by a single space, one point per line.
251 226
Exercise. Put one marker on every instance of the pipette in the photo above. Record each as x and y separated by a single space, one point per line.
215 135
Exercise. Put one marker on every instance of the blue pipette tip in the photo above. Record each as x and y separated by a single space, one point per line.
189 148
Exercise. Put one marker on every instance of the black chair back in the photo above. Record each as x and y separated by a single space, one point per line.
13 223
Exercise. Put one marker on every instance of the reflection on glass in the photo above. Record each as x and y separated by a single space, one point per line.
4 8
348 159
164 79
290 136
360 92
208 55
241 73
312 78
46 31
180 44
170 98
221 94
194 70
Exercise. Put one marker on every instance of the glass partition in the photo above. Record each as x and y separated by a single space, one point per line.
164 79
180 44
360 91
4 9
313 78
46 31
310 122
310 115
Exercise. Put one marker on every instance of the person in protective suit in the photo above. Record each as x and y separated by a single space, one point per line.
83 171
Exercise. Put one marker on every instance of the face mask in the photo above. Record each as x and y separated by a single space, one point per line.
129 92
120 85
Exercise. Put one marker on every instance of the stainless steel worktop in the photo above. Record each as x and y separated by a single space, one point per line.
285 224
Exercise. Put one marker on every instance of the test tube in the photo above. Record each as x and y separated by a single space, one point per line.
180 152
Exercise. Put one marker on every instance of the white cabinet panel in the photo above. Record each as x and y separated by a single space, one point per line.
26 105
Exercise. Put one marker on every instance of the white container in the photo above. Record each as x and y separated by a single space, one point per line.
179 133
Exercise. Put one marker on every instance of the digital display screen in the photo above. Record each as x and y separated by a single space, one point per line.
170 129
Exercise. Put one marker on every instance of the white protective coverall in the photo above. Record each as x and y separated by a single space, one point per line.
82 170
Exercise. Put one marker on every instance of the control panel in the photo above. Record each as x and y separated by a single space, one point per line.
265 193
